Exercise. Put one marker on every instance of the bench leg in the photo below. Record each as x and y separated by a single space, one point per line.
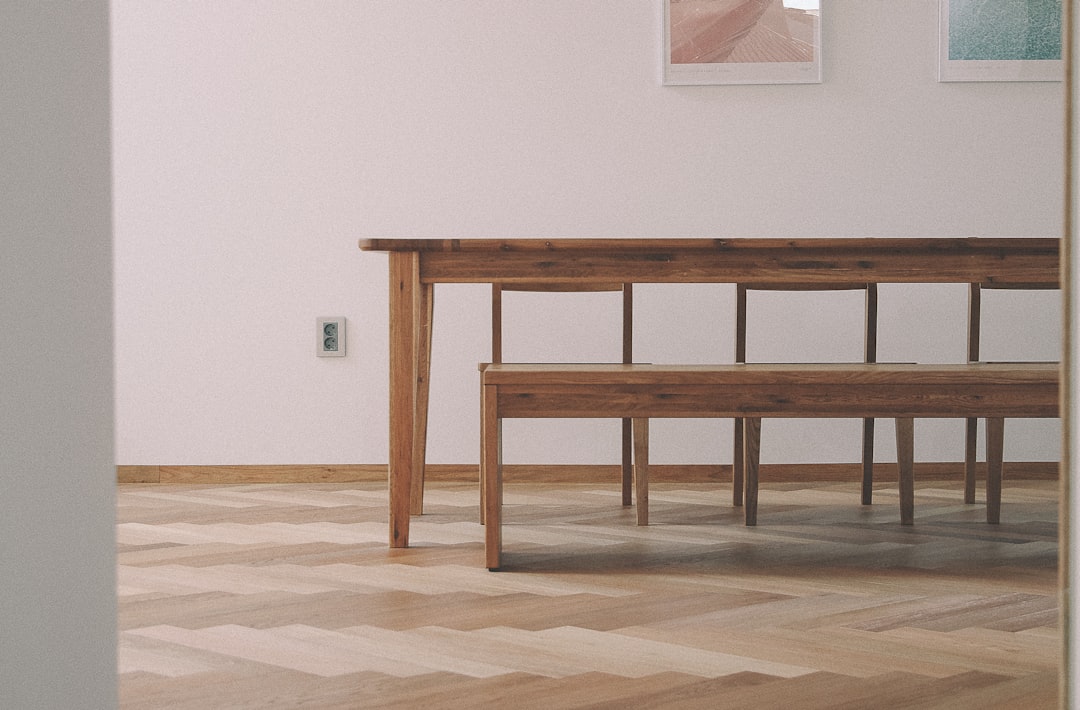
751 452
995 453
905 460
491 463
641 469
483 466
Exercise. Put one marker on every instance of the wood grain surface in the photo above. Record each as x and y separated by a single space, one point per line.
262 595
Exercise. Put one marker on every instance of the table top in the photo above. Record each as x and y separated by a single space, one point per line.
1027 262
883 244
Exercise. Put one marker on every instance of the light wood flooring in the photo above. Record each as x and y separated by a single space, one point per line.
286 596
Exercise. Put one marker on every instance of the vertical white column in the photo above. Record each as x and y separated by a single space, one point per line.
57 475
1070 508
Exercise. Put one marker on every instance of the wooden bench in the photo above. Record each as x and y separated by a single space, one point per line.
755 391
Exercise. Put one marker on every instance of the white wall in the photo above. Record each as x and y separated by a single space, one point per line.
255 143
57 543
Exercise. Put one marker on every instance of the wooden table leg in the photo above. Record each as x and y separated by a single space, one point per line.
404 351
905 460
751 455
491 462
423 389
995 453
641 469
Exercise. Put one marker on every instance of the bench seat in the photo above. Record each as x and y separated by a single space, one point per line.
754 391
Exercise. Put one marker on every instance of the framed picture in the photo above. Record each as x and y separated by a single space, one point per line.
742 41
1000 40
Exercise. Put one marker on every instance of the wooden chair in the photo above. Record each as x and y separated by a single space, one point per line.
973 355
869 355
627 450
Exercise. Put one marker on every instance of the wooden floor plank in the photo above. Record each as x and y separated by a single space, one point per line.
263 595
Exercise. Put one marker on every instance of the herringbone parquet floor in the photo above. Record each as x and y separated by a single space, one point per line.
286 596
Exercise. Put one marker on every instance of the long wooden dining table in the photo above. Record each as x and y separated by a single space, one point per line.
416 265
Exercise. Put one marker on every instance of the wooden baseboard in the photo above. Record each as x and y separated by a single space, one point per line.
1014 470
251 474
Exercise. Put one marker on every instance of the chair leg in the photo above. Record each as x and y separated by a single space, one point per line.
905 459
970 458
641 469
751 451
868 462
628 444
737 466
995 452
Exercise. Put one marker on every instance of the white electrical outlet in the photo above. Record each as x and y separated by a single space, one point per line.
330 332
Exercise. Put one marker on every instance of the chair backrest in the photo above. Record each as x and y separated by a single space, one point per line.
627 309
870 320
627 290
975 309
974 337
869 355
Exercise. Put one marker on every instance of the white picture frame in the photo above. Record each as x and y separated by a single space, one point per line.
1006 40
742 42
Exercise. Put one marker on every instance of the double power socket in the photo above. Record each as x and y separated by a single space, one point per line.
330 332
